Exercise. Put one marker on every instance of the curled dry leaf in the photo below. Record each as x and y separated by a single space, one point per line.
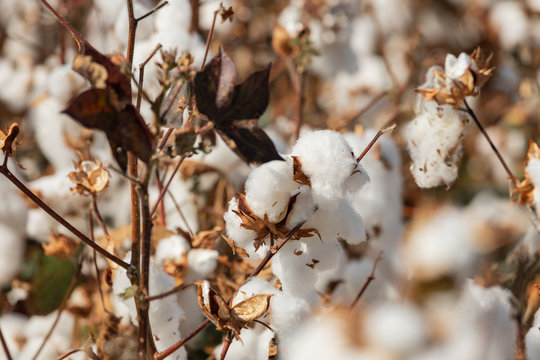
524 192
235 248
281 41
7 140
225 13
60 246
89 177
224 317
298 175
454 92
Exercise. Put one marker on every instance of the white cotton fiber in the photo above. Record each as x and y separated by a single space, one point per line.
202 264
533 170
434 140
328 162
269 188
254 346
242 237
171 248
442 245
398 327
12 246
511 23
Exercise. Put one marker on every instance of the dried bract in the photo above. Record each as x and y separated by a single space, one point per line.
89 177
60 246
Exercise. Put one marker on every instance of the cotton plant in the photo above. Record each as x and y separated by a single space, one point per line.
435 136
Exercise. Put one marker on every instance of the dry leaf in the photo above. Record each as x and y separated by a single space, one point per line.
7 140
298 175
252 308
281 41
60 246
523 193
226 14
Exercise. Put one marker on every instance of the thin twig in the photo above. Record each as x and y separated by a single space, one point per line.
161 212
141 72
174 290
368 280
493 147
62 307
71 352
94 260
164 190
178 345
273 251
299 104
181 213
209 38
4 346
30 195
226 345
374 140
156 8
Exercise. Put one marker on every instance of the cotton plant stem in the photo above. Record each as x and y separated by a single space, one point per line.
69 353
36 200
209 39
511 175
178 345
299 103
226 346
151 12
4 346
374 140
164 189
142 66
61 309
368 281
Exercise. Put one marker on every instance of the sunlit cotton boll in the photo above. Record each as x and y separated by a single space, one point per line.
269 188
438 246
328 162
11 254
396 327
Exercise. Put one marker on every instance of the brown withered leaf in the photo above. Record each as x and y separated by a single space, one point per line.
206 239
225 13
190 168
267 229
8 142
281 41
235 248
60 246
524 192
298 175
177 268
214 307
483 62
252 308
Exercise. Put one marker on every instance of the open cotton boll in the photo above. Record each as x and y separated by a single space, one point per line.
12 247
242 237
202 264
13 210
397 327
176 15
434 141
511 23
15 92
63 83
254 346
144 28
12 325
171 248
328 162
255 286
268 189
532 339
440 246
304 207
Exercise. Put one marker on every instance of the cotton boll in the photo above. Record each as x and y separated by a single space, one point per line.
363 37
254 346
242 237
171 248
13 210
144 28
328 162
532 339
268 189
304 207
51 127
63 83
255 286
202 264
511 23
434 141
176 15
289 265
11 254
12 325
287 313
398 327
441 246
15 92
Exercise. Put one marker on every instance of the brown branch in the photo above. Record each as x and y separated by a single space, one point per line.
141 72
164 190
4 346
178 345
71 352
36 200
174 290
62 307
368 280
181 213
226 346
493 147
209 38
374 140
194 25
161 212
156 8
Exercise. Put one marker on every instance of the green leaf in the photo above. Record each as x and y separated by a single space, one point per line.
129 292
